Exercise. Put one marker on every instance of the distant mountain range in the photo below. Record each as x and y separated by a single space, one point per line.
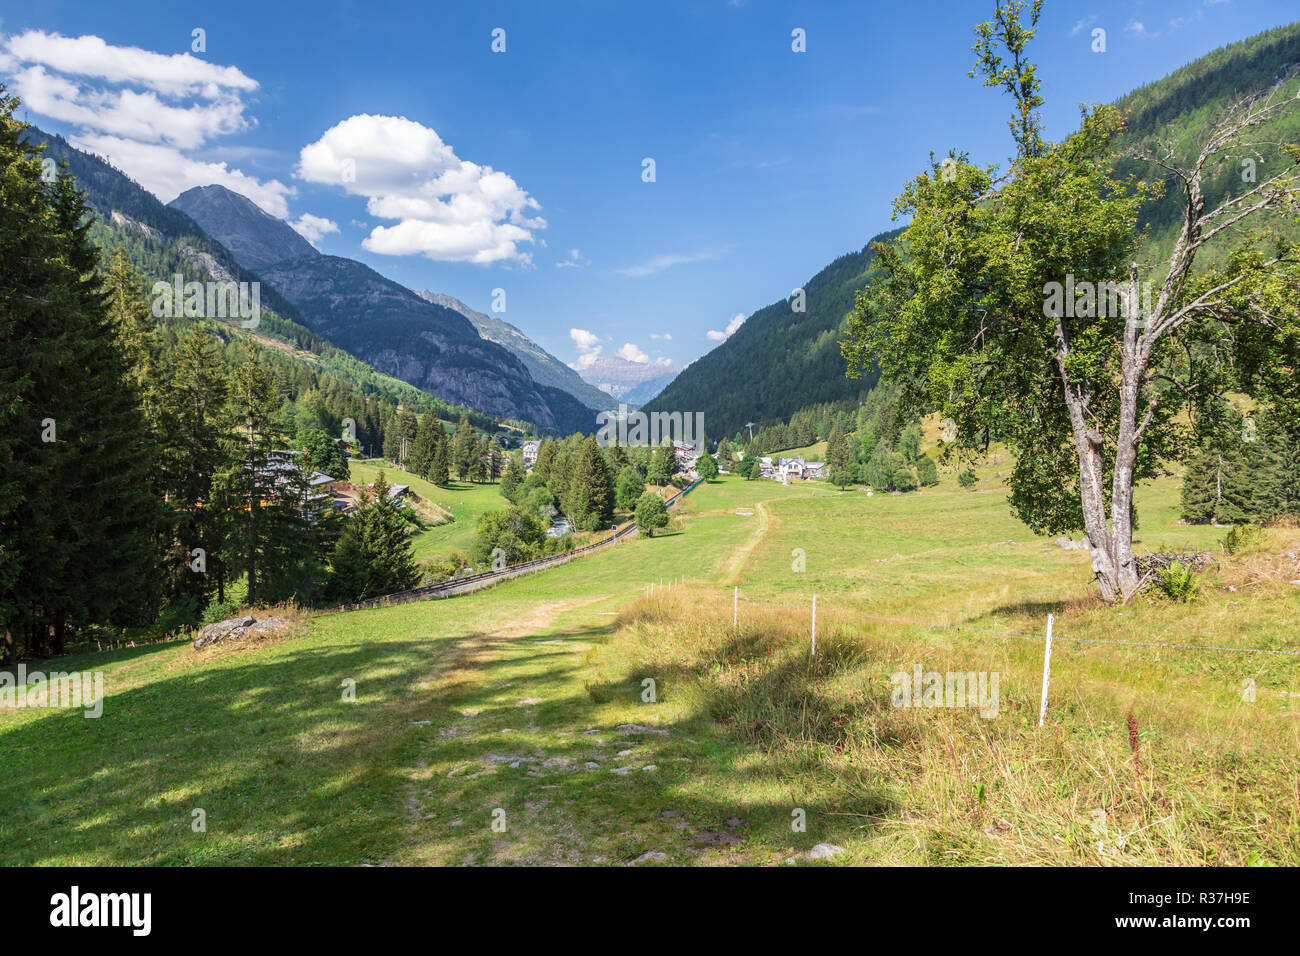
632 382
544 367
433 347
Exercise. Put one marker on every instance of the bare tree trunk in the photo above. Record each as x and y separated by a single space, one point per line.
1121 498
1092 472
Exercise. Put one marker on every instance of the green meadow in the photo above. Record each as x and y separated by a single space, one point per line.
581 716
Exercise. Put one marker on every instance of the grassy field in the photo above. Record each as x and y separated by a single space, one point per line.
813 452
466 501
516 725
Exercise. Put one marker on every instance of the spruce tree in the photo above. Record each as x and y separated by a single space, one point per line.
463 446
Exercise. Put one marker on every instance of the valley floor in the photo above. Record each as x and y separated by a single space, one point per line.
570 717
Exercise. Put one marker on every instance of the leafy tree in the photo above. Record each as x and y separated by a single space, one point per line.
662 465
516 531
324 453
909 443
926 471
967 479
515 475
707 467
650 514
628 488
879 470
749 468
725 455
967 313
904 479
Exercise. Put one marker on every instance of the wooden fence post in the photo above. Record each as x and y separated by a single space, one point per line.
814 627
1047 670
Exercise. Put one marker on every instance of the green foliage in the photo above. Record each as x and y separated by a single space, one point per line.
323 453
1178 582
514 477
663 463
628 488
967 478
1247 470
373 555
513 536
749 468
80 520
927 472
650 514
1241 537
707 467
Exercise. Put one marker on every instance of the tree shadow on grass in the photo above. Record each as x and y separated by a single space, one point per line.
288 772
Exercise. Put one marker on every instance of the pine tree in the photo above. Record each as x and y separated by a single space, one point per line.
478 468
426 440
440 467
374 555
514 476
194 449
265 495
463 447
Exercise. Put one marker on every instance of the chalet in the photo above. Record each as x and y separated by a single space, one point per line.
798 469
529 448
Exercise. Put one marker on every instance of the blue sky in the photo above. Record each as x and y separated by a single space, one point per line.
473 170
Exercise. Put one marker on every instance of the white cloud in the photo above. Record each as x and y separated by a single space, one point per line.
736 322
1139 29
167 172
632 354
660 263
1081 24
575 260
666 336
446 208
588 346
314 228
146 113
173 74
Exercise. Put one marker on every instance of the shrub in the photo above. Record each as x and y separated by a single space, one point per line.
1241 537
1179 581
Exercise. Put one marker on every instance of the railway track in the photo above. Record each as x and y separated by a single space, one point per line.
476 582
